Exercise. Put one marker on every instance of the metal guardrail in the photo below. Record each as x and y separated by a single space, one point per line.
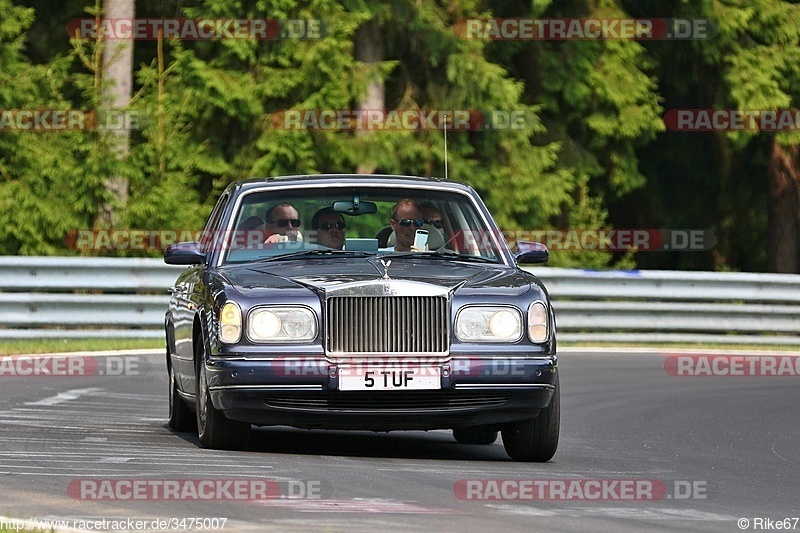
59 297
674 306
67 274
109 297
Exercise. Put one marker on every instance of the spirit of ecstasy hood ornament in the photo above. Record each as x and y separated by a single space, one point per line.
386 268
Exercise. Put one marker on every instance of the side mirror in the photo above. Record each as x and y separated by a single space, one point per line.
184 253
532 253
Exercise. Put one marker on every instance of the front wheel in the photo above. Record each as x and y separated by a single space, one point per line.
213 429
535 440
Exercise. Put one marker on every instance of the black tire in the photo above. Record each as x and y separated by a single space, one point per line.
535 440
213 429
475 435
181 418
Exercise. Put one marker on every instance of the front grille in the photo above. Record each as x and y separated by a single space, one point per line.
387 325
389 401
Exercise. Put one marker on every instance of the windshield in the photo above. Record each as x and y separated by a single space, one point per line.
335 222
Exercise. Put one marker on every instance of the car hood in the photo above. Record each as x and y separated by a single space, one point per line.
330 274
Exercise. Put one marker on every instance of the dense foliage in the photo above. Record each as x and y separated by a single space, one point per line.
593 153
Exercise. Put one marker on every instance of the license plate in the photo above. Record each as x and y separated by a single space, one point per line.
380 378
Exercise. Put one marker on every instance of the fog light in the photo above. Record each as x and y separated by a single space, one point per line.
230 323
538 330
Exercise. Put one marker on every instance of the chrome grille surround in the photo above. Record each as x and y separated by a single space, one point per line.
387 318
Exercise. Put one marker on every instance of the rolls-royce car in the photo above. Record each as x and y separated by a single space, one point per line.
361 302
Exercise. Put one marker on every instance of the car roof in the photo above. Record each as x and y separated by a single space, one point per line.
348 179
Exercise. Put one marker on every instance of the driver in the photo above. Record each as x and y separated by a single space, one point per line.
282 224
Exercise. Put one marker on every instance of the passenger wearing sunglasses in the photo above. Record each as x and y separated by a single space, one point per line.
431 215
282 224
330 228
406 219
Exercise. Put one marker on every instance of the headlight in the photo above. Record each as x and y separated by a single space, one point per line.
281 324
537 322
231 323
489 324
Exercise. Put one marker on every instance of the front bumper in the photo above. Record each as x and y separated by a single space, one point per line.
304 392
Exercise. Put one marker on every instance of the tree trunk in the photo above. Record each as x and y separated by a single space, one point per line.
117 76
369 49
782 209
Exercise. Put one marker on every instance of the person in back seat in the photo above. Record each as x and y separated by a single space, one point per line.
433 217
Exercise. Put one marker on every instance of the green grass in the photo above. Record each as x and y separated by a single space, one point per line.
41 346
33 346
666 346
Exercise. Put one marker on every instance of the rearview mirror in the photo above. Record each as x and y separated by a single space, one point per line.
356 207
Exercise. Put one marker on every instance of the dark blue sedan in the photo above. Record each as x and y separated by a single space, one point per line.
364 303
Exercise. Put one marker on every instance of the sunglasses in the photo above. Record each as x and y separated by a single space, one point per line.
438 223
283 222
406 222
330 225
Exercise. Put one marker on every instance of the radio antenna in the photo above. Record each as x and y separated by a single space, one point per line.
445 146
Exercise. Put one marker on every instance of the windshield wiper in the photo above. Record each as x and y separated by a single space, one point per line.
443 254
305 253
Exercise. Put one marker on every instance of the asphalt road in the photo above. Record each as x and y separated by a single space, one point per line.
719 448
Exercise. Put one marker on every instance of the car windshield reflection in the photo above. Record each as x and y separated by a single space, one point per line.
300 223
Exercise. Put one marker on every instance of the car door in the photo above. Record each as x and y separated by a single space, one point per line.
184 303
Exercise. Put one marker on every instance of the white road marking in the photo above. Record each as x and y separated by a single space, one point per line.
62 397
115 459
356 505
637 513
